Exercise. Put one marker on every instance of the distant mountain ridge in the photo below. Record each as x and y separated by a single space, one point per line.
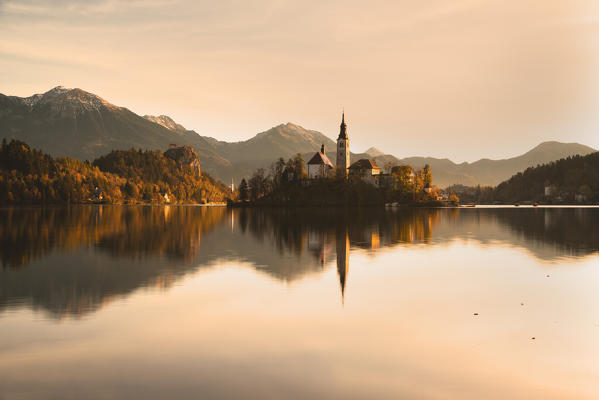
76 123
492 172
374 152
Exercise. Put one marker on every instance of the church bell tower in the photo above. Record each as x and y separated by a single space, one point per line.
343 148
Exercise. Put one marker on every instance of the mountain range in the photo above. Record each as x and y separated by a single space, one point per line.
79 124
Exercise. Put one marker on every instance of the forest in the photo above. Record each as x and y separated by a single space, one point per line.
28 176
572 180
569 180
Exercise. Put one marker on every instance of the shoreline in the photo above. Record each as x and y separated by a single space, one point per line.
252 205
66 205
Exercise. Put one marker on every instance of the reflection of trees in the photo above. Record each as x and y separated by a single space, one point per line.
171 231
289 228
570 230
134 231
174 232
27 234
131 247
547 233
71 261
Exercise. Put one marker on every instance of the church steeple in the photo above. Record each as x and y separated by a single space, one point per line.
343 148
343 128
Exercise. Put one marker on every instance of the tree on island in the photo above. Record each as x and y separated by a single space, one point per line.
243 190
258 184
287 183
427 175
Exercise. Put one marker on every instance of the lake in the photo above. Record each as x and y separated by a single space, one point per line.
155 302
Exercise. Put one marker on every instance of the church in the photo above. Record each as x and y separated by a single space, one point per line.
320 166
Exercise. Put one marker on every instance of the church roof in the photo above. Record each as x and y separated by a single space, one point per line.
320 159
364 163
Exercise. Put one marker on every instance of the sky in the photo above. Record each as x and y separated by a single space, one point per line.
462 79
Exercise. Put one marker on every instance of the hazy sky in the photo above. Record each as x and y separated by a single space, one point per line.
462 79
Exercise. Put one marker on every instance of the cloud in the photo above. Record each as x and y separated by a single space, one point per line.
56 61
440 69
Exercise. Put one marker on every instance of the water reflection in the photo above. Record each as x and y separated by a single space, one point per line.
175 232
69 262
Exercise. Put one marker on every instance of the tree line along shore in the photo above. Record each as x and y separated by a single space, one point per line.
28 176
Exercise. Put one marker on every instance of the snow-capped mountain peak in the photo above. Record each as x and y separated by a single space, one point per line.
167 122
64 99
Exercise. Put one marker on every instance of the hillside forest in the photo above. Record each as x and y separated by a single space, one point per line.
571 180
28 176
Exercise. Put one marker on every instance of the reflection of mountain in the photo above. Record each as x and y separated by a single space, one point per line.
72 261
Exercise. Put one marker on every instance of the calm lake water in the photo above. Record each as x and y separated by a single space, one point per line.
100 302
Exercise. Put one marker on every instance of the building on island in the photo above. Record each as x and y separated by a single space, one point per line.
319 166
366 171
343 148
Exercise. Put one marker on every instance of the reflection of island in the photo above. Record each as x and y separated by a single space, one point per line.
328 233
74 260
321 245
548 234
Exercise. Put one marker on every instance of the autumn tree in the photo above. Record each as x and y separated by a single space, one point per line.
427 175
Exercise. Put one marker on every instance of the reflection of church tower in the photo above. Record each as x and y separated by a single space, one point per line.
342 242
343 148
